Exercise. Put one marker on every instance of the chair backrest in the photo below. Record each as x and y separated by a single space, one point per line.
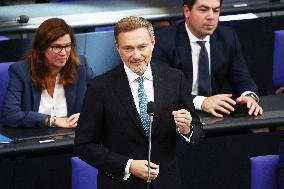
84 176
264 172
14 49
278 63
100 51
4 79
3 38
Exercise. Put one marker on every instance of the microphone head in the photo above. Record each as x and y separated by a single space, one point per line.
150 108
23 19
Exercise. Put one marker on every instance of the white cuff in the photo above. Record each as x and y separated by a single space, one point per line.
187 138
198 101
248 92
126 170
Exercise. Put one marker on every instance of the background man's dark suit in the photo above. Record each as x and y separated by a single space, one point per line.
227 62
110 131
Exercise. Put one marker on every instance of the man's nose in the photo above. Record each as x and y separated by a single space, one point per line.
136 54
210 14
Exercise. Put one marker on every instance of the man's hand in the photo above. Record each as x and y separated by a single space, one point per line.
280 91
139 168
218 105
183 120
252 105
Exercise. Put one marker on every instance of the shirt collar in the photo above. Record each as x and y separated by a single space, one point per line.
133 76
192 37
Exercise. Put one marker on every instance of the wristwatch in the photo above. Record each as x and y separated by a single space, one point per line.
52 121
253 96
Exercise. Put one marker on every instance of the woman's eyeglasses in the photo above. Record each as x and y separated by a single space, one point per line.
58 48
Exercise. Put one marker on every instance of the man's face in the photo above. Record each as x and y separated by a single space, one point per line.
135 49
203 17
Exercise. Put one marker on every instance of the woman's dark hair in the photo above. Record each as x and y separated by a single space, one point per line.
48 32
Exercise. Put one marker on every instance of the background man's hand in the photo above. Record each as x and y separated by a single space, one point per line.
280 91
218 105
251 104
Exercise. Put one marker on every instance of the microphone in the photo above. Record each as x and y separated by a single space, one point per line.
150 112
20 19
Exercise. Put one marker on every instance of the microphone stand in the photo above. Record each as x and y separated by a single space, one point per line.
149 149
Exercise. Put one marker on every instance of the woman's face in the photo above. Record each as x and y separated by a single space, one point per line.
57 54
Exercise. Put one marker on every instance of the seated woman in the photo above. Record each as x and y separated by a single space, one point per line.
47 89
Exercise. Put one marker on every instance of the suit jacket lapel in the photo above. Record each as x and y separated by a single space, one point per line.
123 92
36 93
70 97
160 89
36 98
214 61
184 52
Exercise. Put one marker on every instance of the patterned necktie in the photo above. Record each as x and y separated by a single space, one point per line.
204 81
145 119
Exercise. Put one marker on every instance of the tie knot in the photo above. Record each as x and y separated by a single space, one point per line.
201 43
140 79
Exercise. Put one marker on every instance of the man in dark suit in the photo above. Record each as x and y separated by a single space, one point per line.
181 46
112 133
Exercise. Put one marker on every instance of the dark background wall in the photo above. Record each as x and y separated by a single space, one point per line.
257 40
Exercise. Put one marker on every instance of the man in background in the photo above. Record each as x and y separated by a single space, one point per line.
208 55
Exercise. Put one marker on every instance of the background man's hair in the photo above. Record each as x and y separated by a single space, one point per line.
190 3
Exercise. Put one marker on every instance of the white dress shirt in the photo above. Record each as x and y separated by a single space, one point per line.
56 105
149 89
133 83
195 50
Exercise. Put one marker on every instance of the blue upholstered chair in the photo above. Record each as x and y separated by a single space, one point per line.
264 172
4 38
100 51
278 63
280 177
84 176
14 49
4 79
104 28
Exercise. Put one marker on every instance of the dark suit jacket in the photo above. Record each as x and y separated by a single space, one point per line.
22 99
227 61
110 132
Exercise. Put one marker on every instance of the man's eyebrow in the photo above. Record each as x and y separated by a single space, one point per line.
207 7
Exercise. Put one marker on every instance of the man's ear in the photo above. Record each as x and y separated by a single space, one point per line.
116 46
153 42
186 11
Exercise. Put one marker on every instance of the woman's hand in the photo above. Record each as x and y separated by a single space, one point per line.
67 122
